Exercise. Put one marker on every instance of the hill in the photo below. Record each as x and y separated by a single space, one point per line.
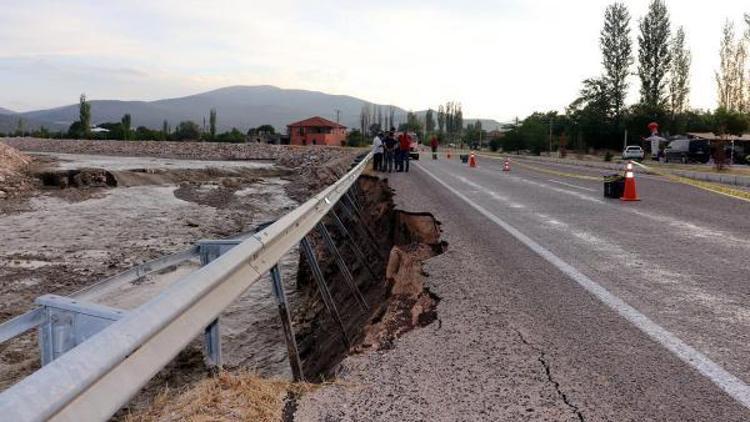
242 107
238 106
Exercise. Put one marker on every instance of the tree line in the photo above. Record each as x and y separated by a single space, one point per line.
600 118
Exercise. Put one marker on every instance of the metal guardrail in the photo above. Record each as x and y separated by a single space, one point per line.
91 381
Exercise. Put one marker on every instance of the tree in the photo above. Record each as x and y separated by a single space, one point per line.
125 124
429 121
679 74
726 122
730 79
617 55
187 130
355 138
654 55
165 130
266 128
441 119
212 123
84 116
20 127
412 123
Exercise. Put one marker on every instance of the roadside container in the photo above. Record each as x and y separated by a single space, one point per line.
464 158
614 186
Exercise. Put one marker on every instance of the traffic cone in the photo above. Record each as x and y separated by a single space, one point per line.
629 194
472 160
506 164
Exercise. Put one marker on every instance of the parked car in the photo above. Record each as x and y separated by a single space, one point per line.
687 150
632 152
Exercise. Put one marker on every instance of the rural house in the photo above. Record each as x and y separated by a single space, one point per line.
316 131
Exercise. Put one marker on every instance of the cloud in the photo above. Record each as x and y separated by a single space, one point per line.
500 58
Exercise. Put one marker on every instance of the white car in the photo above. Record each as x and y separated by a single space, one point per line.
633 152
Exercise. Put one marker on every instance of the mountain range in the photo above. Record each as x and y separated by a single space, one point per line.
242 107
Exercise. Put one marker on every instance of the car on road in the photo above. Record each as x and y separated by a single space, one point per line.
687 150
632 152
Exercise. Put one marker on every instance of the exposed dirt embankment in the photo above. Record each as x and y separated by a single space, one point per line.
397 298
14 174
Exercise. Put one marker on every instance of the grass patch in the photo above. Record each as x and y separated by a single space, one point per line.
227 396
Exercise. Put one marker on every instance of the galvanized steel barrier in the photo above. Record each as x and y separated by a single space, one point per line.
93 379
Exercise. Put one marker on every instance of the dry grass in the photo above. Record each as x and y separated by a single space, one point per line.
226 397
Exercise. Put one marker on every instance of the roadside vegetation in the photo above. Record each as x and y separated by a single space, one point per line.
600 118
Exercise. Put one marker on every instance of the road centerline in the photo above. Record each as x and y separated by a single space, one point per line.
729 383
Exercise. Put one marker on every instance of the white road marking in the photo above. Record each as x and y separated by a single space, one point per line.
732 385
571 185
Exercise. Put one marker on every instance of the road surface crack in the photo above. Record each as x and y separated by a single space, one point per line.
545 364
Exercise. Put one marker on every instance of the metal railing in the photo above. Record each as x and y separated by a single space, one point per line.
91 381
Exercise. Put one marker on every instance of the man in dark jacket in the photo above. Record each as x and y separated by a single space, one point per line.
390 147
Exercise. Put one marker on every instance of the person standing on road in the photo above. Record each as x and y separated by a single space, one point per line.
389 152
404 144
434 146
377 151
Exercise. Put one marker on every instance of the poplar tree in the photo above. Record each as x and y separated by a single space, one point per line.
653 55
441 119
84 116
429 121
679 78
212 123
617 55
125 123
730 79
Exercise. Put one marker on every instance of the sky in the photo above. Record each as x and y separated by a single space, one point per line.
500 59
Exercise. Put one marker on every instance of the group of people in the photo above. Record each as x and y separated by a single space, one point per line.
391 153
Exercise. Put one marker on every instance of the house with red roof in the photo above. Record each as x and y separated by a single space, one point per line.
316 131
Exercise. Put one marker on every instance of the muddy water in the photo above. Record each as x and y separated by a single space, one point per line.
61 245
112 163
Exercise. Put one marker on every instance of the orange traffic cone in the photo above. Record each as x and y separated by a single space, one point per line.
506 164
472 160
629 194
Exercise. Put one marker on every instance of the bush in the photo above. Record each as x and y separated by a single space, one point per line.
608 156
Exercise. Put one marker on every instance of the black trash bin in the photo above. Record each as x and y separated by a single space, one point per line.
614 186
464 158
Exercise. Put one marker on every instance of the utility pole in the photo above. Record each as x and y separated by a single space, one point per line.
338 116
625 140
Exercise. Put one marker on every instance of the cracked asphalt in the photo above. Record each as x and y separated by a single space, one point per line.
517 339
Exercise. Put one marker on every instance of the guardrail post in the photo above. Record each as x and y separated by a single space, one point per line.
325 294
286 323
342 266
353 244
212 344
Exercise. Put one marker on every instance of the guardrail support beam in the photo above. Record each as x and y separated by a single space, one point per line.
286 323
212 345
355 215
352 243
348 278
325 293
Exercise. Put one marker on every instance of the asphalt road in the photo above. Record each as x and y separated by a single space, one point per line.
559 304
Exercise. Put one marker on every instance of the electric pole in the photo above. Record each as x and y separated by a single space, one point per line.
338 116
